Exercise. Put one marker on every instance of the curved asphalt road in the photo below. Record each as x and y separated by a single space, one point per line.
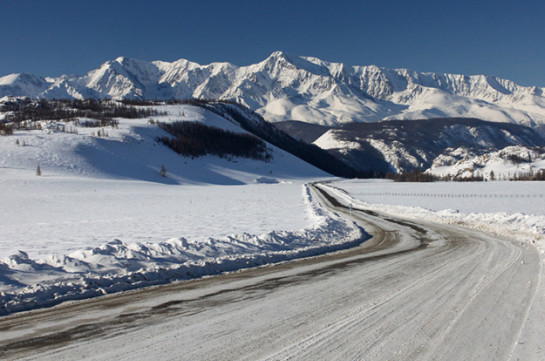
412 292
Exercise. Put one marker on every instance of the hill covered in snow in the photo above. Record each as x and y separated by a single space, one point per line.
130 148
288 87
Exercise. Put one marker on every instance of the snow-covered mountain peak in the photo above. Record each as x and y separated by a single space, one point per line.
303 64
13 79
22 84
282 57
122 60
9 79
184 64
278 54
289 87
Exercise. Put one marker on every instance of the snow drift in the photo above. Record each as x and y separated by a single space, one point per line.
116 266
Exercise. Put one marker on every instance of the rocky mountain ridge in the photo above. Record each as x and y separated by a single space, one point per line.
458 147
288 87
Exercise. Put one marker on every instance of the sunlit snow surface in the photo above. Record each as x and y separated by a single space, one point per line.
95 190
283 229
511 209
465 197
57 215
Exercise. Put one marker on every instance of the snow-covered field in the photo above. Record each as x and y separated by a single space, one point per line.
165 235
95 190
100 218
59 215
512 209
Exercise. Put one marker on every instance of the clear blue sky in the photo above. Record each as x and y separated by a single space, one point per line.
496 37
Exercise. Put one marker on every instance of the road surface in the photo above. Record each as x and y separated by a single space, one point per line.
415 291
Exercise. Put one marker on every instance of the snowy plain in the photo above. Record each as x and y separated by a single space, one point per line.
512 209
95 190
57 215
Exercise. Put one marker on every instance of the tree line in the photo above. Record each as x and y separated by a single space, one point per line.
196 139
22 111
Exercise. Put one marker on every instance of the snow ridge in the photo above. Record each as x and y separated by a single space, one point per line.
116 266
288 87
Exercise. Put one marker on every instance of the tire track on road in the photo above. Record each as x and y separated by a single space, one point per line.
414 291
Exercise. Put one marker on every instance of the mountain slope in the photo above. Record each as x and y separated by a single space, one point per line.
287 87
401 146
130 150
310 153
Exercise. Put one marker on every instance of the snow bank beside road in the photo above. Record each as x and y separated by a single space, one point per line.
529 228
117 266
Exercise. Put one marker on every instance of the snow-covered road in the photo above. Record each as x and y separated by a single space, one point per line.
412 292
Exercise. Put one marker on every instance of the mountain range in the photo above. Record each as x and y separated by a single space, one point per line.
287 87
359 114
